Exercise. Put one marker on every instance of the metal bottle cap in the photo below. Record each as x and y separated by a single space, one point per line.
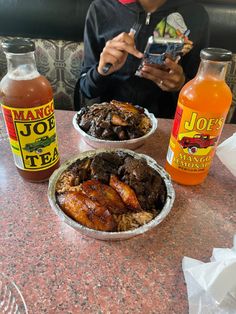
216 54
18 45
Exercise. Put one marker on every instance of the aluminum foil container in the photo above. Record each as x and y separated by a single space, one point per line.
101 235
129 144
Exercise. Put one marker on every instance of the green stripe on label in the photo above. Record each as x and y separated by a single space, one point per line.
14 147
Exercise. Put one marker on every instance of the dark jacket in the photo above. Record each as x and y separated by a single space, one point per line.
108 18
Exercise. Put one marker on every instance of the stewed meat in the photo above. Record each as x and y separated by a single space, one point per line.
114 121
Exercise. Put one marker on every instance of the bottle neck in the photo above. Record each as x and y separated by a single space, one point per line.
212 70
21 66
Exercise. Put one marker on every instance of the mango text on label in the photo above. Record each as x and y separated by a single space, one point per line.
33 113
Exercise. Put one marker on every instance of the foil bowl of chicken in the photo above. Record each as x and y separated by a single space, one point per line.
111 194
115 125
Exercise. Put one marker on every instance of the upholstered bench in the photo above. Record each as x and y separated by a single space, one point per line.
57 27
60 62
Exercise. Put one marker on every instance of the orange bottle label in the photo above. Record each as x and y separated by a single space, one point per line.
194 139
32 135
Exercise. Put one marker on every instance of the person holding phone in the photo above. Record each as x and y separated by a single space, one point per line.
115 37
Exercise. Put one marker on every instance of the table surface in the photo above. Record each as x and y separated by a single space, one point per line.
58 270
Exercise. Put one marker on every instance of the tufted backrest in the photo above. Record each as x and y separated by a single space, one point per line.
57 28
222 15
64 19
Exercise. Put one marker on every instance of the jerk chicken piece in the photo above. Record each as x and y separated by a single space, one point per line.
145 124
117 120
126 193
147 184
127 107
104 195
140 121
86 211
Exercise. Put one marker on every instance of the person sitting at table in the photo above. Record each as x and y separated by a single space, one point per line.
108 40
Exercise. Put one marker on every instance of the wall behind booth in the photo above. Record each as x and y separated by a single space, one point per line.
57 28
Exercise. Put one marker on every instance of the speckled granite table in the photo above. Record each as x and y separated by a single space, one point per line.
60 271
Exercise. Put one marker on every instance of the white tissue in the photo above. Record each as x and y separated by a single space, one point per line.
211 286
226 151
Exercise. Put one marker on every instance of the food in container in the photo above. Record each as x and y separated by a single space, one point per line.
115 124
111 194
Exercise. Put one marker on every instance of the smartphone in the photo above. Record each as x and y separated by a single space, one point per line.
157 49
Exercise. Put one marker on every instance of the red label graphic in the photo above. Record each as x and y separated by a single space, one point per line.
193 140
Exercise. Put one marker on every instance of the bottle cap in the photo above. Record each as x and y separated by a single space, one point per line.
216 54
18 45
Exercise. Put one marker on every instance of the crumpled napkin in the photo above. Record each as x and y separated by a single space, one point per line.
211 286
226 151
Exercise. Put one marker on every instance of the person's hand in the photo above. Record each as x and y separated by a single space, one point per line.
169 77
116 51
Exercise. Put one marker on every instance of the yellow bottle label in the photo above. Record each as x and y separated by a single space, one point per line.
32 135
194 139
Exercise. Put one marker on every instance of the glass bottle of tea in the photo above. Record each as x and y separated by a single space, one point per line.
27 104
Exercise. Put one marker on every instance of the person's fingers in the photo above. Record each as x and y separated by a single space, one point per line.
112 59
177 77
173 66
125 37
114 55
157 66
162 85
154 72
114 52
125 42
165 80
123 46
158 80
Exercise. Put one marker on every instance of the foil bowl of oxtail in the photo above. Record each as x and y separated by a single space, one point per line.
111 194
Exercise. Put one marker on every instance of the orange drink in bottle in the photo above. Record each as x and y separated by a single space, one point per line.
202 107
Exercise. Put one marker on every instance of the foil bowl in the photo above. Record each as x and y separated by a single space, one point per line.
129 144
102 235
